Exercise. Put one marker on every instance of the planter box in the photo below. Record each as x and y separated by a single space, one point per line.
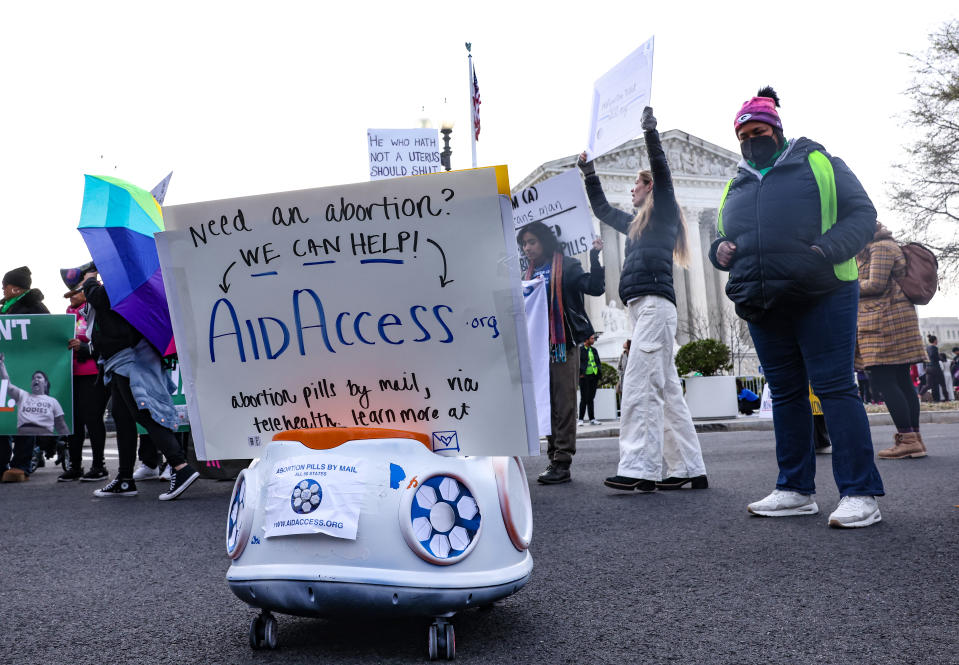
604 404
711 397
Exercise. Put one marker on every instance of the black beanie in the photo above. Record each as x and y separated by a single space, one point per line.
18 277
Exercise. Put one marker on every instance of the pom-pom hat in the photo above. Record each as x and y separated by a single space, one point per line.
761 108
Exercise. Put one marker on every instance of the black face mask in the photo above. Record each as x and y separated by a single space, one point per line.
759 150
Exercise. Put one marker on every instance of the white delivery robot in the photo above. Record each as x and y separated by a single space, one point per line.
434 535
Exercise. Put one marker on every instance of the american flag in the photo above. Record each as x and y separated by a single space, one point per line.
476 105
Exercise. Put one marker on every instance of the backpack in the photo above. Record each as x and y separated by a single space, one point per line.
921 279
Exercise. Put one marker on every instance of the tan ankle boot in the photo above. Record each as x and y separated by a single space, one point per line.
921 442
907 444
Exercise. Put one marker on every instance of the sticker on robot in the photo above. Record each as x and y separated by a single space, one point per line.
315 495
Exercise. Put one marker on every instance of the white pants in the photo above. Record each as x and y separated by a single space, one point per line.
655 425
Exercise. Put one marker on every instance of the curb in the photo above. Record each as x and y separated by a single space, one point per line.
755 424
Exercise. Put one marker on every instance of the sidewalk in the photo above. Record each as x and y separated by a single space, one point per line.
754 423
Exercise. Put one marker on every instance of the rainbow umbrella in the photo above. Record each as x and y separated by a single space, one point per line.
117 222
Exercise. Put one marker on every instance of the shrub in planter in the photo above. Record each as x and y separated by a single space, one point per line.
707 357
608 376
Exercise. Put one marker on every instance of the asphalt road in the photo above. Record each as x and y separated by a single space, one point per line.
670 577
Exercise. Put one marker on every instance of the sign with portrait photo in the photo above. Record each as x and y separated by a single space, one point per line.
36 374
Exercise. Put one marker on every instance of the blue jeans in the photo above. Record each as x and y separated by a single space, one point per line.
814 343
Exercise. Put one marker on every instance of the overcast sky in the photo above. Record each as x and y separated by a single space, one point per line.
243 98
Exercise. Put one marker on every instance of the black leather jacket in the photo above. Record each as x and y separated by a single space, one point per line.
576 283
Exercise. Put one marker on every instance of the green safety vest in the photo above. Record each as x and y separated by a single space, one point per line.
847 270
591 362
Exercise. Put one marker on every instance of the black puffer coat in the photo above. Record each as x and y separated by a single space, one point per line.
577 282
111 333
648 268
30 303
775 219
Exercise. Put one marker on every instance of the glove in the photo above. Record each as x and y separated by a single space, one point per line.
648 122
586 167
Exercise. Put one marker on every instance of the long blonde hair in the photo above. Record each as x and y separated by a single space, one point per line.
639 223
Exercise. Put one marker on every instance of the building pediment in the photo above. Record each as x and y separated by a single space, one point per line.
690 158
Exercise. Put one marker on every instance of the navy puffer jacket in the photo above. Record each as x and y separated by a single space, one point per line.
775 219
648 267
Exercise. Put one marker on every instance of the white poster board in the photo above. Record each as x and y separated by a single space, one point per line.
378 304
395 153
766 403
619 97
560 203
537 326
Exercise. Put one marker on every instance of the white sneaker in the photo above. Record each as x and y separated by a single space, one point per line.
783 504
594 422
165 474
855 511
580 422
144 472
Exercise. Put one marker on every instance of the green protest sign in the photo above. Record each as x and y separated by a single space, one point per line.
36 376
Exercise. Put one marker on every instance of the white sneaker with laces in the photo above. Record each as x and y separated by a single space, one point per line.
855 511
594 422
144 472
782 503
580 422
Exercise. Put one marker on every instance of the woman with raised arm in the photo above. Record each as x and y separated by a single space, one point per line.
655 424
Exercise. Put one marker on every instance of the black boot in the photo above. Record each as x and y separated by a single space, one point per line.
674 483
555 474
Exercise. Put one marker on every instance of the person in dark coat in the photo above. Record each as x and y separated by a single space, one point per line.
19 298
569 326
655 423
132 369
934 376
589 364
790 225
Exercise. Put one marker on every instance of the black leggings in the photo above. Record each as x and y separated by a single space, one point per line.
89 403
895 385
587 393
125 410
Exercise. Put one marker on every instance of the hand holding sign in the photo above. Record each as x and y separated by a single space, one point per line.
648 121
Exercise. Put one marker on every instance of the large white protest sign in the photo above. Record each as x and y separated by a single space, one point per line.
559 202
310 495
401 152
377 304
537 326
619 97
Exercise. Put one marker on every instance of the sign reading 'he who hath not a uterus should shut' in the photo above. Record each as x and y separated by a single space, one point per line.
389 304
560 203
396 153
619 97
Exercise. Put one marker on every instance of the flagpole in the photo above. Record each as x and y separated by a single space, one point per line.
472 126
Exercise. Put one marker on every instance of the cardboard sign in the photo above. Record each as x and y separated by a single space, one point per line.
36 381
560 203
619 97
400 152
312 495
377 304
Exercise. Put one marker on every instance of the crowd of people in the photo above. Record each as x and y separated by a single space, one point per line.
112 363
810 270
